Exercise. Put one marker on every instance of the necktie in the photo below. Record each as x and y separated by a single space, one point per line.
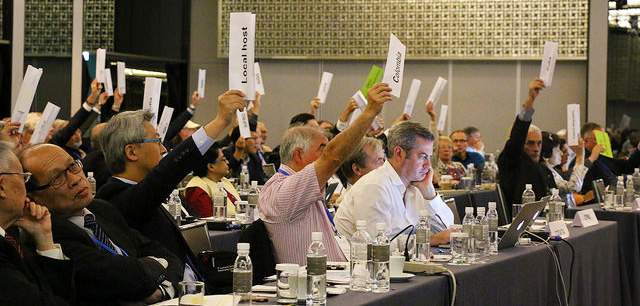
15 244
90 223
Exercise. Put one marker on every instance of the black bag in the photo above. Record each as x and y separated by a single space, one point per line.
261 251
218 270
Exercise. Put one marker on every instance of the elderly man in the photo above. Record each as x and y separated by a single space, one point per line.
474 140
460 153
244 152
396 192
112 261
519 161
40 277
142 179
291 202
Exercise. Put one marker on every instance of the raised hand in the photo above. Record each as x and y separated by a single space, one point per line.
534 88
315 105
431 111
195 99
377 96
10 134
351 106
403 117
96 88
117 99
228 103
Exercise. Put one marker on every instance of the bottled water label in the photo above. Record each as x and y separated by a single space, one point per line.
317 265
242 281
477 232
421 235
467 228
369 252
493 225
253 199
381 253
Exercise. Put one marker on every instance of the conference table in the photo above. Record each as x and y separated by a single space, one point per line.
628 249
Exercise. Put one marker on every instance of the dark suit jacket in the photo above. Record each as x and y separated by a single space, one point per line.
616 167
94 162
62 137
34 280
175 126
141 204
103 277
254 167
517 169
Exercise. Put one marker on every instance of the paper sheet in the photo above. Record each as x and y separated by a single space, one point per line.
241 53
43 127
361 101
413 95
437 90
394 67
25 96
573 124
202 81
325 85
259 83
101 57
443 116
151 99
548 62
374 77
165 120
122 81
243 123
108 85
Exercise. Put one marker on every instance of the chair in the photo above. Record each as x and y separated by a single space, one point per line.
598 190
454 209
197 236
261 250
501 207
462 200
481 198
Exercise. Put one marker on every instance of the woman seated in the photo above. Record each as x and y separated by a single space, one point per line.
446 166
211 169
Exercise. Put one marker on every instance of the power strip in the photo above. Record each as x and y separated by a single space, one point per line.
428 268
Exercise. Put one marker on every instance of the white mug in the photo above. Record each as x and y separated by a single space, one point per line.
396 265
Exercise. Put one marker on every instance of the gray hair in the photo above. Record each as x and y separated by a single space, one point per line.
5 151
123 129
297 137
404 135
534 129
359 156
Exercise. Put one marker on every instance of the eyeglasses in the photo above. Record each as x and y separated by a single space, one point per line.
61 178
25 175
158 139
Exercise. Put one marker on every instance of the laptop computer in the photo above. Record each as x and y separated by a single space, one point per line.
269 169
525 217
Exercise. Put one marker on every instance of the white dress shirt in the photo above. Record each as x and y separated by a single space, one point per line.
380 196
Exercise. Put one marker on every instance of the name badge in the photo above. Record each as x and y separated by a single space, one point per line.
344 245
585 218
558 228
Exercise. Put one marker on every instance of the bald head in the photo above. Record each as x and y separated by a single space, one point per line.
95 136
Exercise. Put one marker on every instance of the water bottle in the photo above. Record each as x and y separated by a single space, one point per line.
471 173
254 195
92 183
492 220
636 180
619 197
481 235
243 275
360 259
467 227
175 206
380 259
630 193
244 182
556 207
316 271
528 195
423 238
220 203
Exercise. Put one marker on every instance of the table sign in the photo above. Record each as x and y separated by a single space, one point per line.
394 67
443 116
202 79
151 98
101 58
43 127
165 120
25 96
573 124
548 62
325 84
585 218
241 53
259 83
558 228
437 90
413 95
122 83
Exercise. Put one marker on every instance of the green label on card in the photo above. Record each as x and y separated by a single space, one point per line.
375 76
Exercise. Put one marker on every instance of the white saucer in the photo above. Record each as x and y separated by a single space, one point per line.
404 277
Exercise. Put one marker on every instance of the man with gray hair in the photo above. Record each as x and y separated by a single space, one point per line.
291 202
396 192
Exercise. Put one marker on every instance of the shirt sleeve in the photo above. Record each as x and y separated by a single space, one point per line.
202 140
526 114
55 253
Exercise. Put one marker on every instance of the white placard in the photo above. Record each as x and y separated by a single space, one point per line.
443 117
548 62
259 83
151 99
354 115
625 122
585 218
108 85
437 90
573 124
243 123
413 95
361 101
202 81
122 81
325 84
165 120
101 58
241 53
25 96
558 228
41 130
394 68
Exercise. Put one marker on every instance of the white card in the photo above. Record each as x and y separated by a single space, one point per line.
241 53
122 81
108 82
585 218
413 95
394 67
165 120
573 124
41 130
325 84
437 90
25 96
443 117
258 74
625 122
151 100
548 62
101 58
354 115
243 123
361 101
558 228
202 81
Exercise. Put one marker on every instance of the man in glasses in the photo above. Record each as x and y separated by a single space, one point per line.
142 179
29 277
244 152
113 261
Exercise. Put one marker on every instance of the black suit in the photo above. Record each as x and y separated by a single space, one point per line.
103 277
94 162
141 204
608 169
34 280
175 126
63 136
254 167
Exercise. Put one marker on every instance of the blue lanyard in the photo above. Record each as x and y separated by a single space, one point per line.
102 245
326 210
283 172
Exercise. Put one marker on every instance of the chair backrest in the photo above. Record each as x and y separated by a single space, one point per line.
197 236
261 250
502 207
269 169
598 190
454 209
481 198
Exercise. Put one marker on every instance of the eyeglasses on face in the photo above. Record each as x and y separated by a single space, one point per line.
25 175
62 177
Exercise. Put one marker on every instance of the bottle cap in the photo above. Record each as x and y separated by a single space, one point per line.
254 184
243 246
555 191
316 236
287 267
361 224
481 210
630 177
620 177
528 186
492 205
636 170
468 210
424 213
381 226
90 174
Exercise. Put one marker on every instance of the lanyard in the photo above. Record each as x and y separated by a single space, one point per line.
102 245
283 172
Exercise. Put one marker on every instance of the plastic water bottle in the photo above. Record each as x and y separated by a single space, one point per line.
244 181
480 236
380 258
220 203
316 271
630 193
243 275
492 220
556 207
423 238
360 259
92 182
467 227
471 172
619 198
175 206
636 180
528 195
252 198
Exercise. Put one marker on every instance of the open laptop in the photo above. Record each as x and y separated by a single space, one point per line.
525 217
269 169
